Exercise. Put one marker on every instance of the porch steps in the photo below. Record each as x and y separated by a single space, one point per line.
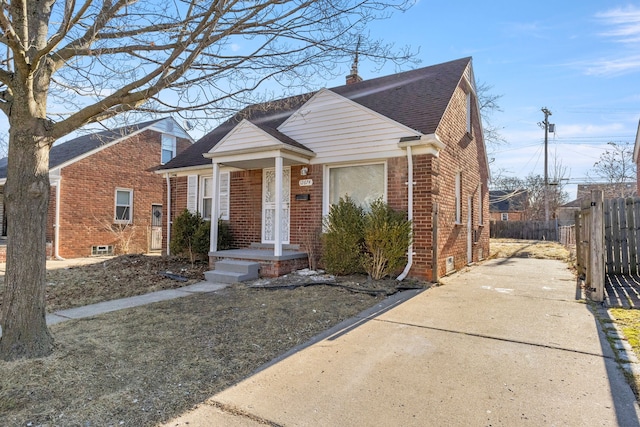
232 271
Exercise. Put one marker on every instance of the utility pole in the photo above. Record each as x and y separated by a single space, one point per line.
547 113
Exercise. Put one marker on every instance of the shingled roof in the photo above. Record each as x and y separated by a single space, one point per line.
416 99
76 147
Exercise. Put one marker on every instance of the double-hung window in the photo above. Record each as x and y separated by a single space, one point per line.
168 148
124 206
206 196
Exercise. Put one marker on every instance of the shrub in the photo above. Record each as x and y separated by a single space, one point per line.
387 235
342 241
183 234
225 238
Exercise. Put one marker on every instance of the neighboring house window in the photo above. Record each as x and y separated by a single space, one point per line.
168 148
505 216
124 206
458 198
468 106
206 196
362 183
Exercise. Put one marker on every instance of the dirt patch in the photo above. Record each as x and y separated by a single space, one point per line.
143 366
510 248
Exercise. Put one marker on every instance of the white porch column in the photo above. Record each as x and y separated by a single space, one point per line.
215 200
277 246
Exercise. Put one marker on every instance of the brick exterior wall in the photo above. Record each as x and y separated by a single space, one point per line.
87 195
434 190
463 153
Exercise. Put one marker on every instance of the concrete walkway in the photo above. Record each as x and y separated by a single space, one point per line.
135 301
504 343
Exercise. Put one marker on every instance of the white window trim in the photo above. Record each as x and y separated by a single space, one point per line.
203 178
174 143
115 206
326 180
224 192
504 216
458 198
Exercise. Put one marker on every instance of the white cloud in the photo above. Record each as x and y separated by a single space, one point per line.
624 23
613 66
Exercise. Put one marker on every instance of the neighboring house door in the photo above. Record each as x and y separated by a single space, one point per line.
470 231
269 205
156 227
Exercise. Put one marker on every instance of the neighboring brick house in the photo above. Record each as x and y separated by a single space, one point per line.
106 180
508 205
367 139
566 213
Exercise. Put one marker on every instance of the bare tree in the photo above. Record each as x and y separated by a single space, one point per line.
534 187
66 64
615 169
489 105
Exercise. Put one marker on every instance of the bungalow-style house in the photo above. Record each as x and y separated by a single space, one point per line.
105 195
508 205
274 169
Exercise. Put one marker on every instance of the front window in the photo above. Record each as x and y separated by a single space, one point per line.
362 183
124 206
206 196
168 148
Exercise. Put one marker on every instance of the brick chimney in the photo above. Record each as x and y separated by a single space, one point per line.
354 77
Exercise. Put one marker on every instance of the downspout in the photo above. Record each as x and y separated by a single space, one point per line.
166 175
56 232
410 185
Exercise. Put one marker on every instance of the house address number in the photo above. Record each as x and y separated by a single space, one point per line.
305 182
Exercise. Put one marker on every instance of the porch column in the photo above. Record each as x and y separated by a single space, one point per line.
277 246
215 200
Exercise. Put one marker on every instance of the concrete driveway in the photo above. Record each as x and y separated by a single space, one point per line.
504 343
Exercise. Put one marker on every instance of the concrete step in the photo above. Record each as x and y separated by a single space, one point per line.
233 271
238 266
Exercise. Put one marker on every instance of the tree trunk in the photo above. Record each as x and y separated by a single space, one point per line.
24 328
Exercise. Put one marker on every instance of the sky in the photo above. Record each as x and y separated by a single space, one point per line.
581 60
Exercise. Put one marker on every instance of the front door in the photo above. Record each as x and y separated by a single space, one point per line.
156 228
269 205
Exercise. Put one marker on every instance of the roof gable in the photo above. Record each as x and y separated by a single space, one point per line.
76 149
416 99
247 135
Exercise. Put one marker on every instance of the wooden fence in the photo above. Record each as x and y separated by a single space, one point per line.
590 244
529 230
567 235
622 235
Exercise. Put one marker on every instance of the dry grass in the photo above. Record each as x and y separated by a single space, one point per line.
510 248
143 366
113 278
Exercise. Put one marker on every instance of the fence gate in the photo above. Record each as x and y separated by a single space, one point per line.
590 244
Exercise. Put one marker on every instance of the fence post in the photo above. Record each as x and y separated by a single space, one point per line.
596 260
579 245
631 237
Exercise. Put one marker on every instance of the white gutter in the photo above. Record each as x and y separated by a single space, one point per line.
56 232
166 175
410 185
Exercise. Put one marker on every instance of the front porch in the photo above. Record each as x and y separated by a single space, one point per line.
291 259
